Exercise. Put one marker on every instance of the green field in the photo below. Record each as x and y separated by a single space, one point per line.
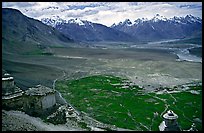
117 101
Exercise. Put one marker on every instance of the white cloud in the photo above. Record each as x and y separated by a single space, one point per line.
106 13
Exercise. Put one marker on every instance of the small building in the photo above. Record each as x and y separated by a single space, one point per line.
39 99
170 122
7 81
8 86
9 89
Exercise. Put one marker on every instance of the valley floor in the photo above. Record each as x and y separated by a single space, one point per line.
149 68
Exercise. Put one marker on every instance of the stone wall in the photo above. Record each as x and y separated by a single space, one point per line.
48 101
14 103
59 98
7 86
32 105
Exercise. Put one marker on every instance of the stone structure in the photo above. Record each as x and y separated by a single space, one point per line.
39 99
193 128
8 86
63 114
36 101
11 94
170 122
58 117
7 81
70 113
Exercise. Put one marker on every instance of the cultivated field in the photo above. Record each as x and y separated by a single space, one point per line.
117 101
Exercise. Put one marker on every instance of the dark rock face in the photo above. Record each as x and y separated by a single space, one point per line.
20 28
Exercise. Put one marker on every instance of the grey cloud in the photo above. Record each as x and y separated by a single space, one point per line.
90 12
73 15
133 3
81 14
18 4
51 7
86 13
8 4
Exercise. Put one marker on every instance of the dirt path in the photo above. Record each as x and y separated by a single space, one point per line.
61 77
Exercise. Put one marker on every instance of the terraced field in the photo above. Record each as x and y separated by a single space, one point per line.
117 101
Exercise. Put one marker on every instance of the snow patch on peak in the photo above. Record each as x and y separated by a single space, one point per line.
158 17
127 22
144 19
56 20
113 25
53 21
76 21
190 18
137 21
153 28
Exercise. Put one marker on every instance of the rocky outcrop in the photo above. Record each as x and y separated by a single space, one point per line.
58 117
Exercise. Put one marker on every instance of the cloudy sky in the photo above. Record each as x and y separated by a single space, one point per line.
106 13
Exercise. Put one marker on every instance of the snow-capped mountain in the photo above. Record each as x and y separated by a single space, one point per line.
76 21
156 28
138 21
55 20
82 30
158 18
160 27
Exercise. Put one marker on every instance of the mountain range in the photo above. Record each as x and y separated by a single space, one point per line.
156 28
159 27
82 30
28 32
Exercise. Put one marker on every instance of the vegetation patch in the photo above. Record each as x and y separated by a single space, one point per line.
117 101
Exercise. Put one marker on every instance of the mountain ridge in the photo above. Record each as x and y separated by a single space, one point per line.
158 17
159 27
141 29
83 30
28 32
